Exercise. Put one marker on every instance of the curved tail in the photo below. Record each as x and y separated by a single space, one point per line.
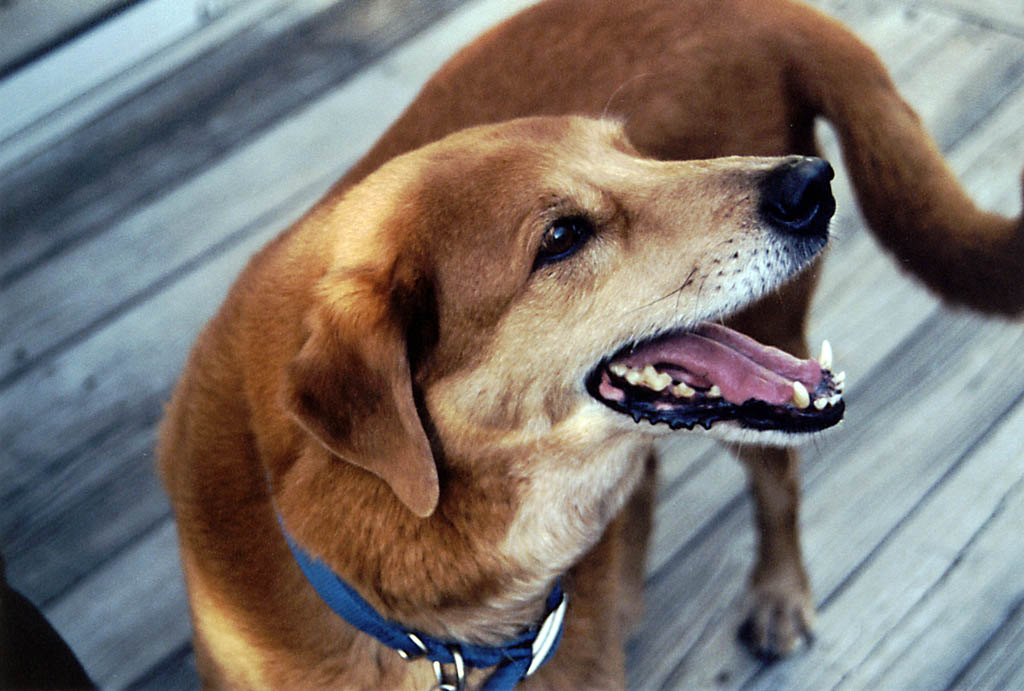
911 199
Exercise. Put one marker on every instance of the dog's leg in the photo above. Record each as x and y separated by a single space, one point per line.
780 611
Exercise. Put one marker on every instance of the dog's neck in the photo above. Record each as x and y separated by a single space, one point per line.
478 570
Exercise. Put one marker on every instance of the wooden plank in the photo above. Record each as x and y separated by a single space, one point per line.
93 58
145 146
900 37
1002 15
291 164
31 28
93 99
176 672
951 72
60 529
988 155
980 585
127 616
712 483
275 180
1000 662
116 379
972 74
862 622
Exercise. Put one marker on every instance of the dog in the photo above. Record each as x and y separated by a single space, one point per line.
415 447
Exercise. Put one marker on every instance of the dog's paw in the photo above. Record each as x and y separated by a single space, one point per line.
778 622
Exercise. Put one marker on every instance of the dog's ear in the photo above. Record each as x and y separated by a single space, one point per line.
351 387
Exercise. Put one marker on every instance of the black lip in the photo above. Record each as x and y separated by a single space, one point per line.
642 404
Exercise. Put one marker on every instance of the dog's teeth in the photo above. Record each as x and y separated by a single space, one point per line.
681 390
634 377
653 379
820 403
619 369
825 359
835 399
714 392
801 399
649 374
839 378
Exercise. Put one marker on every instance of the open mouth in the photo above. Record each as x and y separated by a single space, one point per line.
713 374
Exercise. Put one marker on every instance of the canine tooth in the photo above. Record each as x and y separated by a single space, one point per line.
825 359
619 369
714 392
801 399
634 376
681 390
820 403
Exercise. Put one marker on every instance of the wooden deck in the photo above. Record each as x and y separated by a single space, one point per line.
135 183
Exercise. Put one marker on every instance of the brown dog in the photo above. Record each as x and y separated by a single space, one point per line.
430 382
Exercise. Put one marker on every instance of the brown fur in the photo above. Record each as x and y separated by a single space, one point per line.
391 377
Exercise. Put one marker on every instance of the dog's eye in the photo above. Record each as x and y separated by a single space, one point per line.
563 238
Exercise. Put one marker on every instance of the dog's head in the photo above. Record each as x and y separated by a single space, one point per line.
540 280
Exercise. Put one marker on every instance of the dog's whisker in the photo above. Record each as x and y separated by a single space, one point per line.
619 88
653 302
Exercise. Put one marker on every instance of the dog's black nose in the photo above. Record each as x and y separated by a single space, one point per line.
796 196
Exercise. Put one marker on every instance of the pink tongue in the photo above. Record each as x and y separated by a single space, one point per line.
740 366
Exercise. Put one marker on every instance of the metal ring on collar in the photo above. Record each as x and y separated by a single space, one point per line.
460 673
418 643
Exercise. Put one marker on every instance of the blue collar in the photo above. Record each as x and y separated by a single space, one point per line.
512 662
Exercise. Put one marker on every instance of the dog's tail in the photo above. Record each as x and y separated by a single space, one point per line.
911 199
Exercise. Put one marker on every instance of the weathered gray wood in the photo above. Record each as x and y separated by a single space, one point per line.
1000 662
127 616
981 584
291 164
99 92
908 567
708 483
988 155
176 672
1004 15
31 28
99 55
117 378
142 147
61 528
